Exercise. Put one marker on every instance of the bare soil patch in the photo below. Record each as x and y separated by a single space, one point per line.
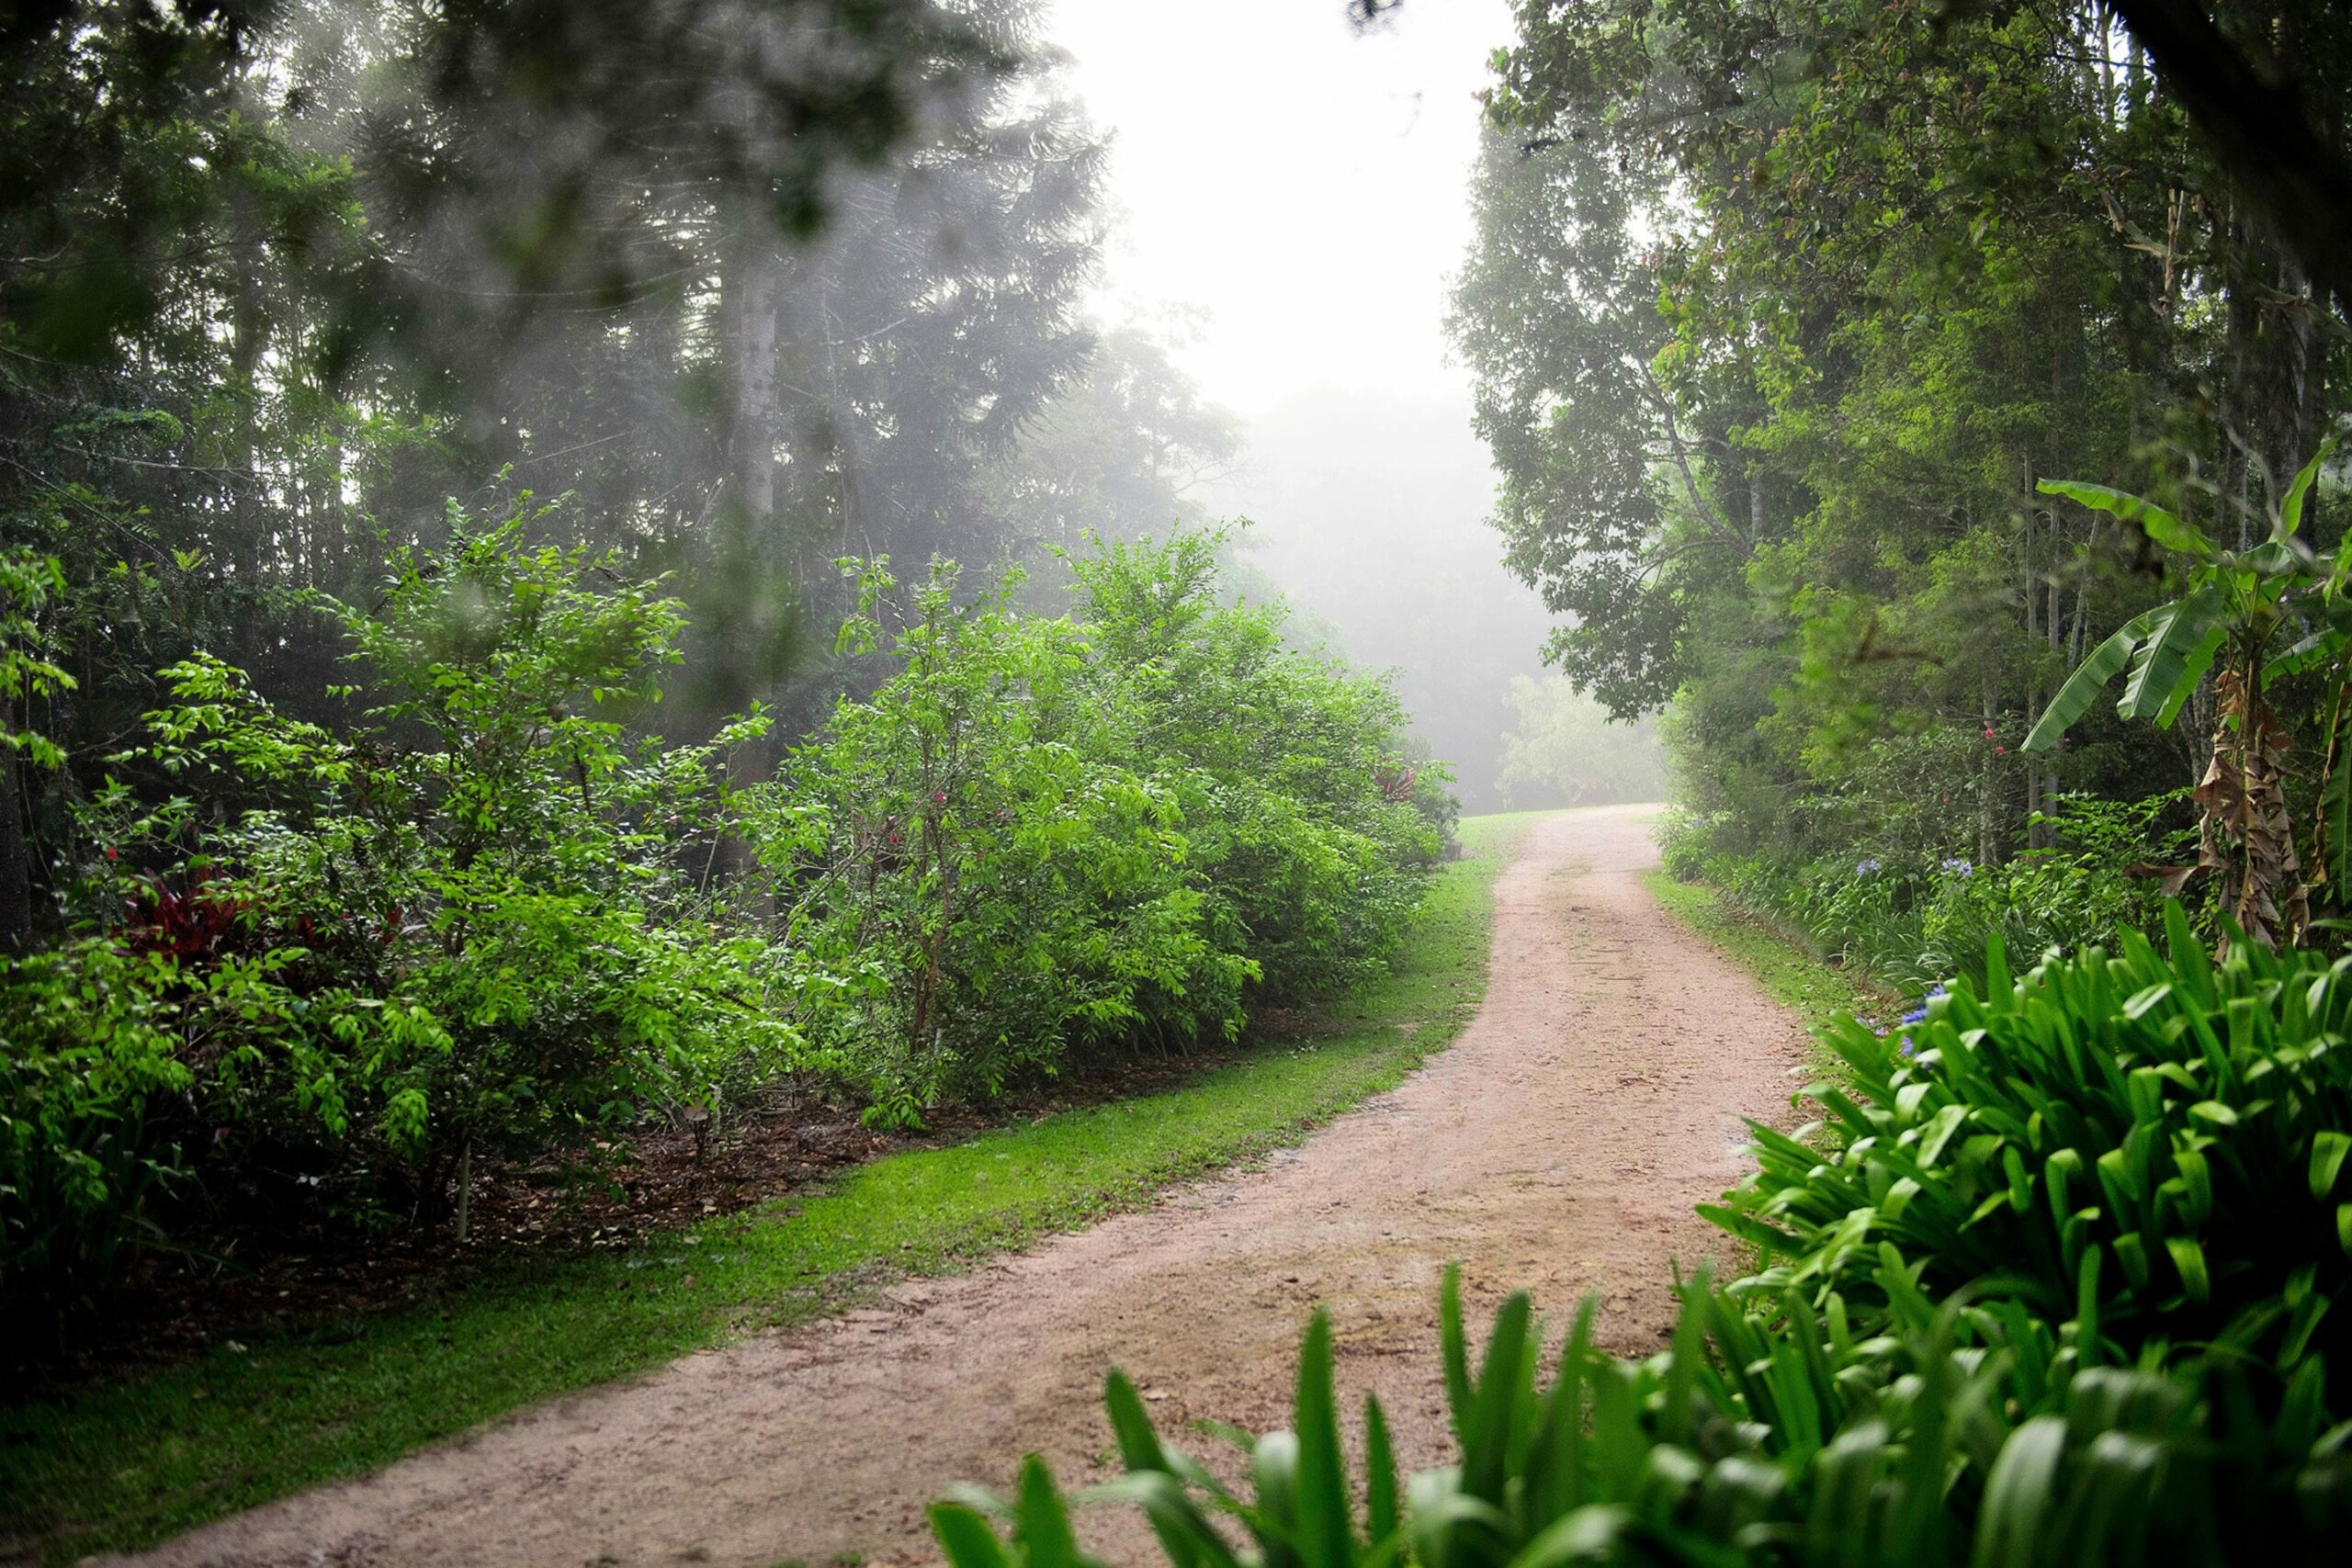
1559 1145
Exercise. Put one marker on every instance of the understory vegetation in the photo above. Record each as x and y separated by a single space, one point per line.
306 967
1909 925
120 1466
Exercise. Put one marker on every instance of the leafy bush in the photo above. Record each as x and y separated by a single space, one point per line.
2054 1285
1310 821
977 884
1039 836
91 1045
472 920
2159 1141
1749 1441
1911 923
482 917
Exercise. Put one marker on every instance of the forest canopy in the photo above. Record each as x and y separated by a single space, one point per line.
1788 321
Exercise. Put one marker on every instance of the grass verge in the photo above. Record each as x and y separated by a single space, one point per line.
126 1465
1791 973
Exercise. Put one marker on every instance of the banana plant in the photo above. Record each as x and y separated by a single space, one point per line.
2238 606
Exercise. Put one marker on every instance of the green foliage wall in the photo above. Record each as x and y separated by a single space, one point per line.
316 968
1778 315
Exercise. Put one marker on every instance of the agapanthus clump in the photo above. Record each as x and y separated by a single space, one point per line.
1916 1015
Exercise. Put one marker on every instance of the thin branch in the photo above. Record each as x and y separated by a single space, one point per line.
1699 503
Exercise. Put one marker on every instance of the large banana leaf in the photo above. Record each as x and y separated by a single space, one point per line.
2171 532
2174 651
2279 557
2310 653
2290 509
2104 663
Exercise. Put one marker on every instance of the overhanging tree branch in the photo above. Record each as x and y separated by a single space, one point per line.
1699 503
2261 128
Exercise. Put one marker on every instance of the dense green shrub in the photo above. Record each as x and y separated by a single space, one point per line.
2058 1281
472 918
2052 1286
1911 923
488 913
1311 821
2158 1143
976 883
1956 1437
1040 837
91 1045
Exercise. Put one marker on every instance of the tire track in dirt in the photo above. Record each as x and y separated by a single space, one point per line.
1559 1145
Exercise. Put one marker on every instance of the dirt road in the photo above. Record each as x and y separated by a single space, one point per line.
1560 1145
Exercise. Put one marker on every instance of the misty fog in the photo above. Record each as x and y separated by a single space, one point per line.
1370 511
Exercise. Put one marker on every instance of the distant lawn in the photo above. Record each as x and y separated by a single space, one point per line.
128 1465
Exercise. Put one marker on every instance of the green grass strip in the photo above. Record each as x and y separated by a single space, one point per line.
1791 973
124 1466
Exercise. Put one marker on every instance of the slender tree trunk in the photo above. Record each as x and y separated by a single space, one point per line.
2058 640
755 388
250 335
2032 703
749 518
465 1188
2240 401
2301 382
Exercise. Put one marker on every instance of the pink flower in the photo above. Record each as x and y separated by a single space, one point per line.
2000 750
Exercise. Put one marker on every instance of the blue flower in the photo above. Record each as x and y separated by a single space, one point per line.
1917 1015
1866 867
1959 867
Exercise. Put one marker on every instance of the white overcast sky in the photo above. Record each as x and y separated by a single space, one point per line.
1304 184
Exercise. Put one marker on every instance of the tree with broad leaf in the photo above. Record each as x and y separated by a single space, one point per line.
2237 607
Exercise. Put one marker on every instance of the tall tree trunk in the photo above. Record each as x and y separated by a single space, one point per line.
249 328
2301 383
2242 399
753 457
2058 645
2033 693
748 530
